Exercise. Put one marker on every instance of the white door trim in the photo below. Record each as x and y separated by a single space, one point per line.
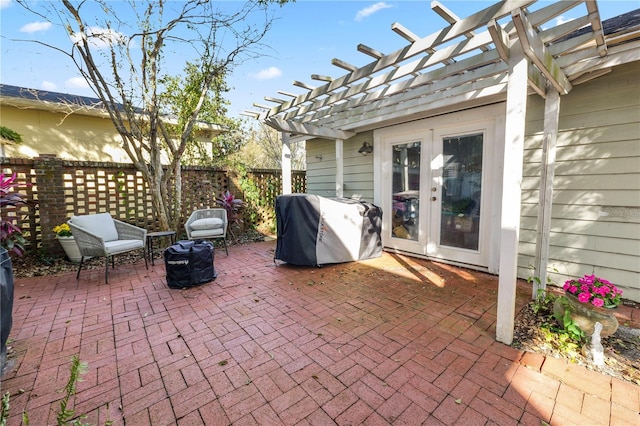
486 119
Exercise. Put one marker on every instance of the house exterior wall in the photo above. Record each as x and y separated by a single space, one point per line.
358 168
70 137
595 226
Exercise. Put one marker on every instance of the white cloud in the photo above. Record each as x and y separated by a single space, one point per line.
76 83
5 3
100 38
34 27
47 85
268 73
368 11
561 20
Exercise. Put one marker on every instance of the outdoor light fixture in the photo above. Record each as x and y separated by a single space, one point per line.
365 149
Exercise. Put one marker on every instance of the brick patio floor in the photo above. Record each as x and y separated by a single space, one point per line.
394 340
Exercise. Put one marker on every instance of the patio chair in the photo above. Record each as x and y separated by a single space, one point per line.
206 224
101 235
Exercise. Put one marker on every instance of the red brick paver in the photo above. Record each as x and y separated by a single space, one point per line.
394 340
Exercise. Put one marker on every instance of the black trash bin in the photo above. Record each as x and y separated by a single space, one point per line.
189 264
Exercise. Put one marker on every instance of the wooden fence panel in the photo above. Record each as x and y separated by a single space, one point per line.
61 188
269 185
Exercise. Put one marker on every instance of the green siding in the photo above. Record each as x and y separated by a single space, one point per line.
595 225
358 169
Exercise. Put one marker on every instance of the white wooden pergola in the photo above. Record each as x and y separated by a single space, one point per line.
501 53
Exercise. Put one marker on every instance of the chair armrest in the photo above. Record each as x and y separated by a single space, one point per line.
127 231
89 244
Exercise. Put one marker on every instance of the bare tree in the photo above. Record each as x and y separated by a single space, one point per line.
123 55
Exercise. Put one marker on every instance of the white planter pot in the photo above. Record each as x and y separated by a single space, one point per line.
70 248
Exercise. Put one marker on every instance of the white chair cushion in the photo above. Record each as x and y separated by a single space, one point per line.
207 223
100 224
121 246
206 233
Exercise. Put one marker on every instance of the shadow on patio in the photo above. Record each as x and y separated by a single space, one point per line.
394 340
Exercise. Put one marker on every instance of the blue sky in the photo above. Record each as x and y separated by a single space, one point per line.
305 37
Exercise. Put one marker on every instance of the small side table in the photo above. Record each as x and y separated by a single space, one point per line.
154 235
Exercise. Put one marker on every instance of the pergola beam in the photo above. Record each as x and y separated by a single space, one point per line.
500 39
307 129
596 26
536 51
537 81
616 55
553 34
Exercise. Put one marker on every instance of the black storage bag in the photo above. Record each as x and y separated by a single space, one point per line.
189 263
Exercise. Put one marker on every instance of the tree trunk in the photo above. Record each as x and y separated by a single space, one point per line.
159 197
177 203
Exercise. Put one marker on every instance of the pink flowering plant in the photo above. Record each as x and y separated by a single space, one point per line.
234 207
10 201
597 291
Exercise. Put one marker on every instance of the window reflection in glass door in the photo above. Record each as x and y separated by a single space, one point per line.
461 191
406 191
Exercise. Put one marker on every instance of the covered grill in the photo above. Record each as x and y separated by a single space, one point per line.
314 230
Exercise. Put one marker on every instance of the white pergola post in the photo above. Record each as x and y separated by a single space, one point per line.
339 167
551 118
511 192
286 164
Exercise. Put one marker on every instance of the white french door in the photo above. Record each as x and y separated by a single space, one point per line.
433 189
456 216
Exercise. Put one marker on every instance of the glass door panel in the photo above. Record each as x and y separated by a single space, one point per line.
406 191
461 191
